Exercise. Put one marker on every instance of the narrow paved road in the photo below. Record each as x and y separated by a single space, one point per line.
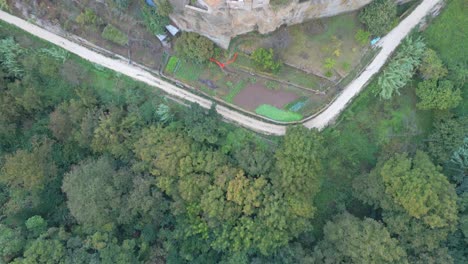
388 44
140 74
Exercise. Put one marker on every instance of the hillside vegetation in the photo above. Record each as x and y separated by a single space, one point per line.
98 168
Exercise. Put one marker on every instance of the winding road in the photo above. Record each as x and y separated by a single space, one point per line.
388 44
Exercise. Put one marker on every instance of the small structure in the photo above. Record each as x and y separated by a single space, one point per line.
374 41
151 3
163 38
172 30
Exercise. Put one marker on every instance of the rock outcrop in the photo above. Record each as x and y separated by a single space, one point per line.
221 20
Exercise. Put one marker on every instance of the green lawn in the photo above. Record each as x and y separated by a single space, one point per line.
277 114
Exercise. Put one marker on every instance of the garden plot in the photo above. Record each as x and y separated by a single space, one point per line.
240 88
325 47
257 94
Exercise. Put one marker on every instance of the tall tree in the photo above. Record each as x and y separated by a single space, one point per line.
9 55
47 251
204 126
194 47
27 173
299 167
438 95
401 68
96 192
379 16
448 133
418 202
29 169
348 239
11 243
432 66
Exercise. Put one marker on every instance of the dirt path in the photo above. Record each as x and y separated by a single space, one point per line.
388 44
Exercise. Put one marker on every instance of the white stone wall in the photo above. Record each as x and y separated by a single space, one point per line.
232 18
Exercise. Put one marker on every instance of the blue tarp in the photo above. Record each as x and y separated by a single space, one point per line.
375 40
151 3
297 106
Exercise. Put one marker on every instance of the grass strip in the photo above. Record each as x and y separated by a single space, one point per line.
277 114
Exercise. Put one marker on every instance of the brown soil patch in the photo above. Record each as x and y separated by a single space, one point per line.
256 94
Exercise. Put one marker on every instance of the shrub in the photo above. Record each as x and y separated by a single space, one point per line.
378 16
4 5
346 66
9 53
87 17
329 64
113 34
36 225
56 53
362 37
272 85
264 58
154 21
432 66
440 96
194 47
121 4
401 68
164 7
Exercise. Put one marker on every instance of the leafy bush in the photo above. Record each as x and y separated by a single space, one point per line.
164 7
264 58
378 16
329 64
362 37
194 47
277 114
431 66
441 96
272 85
9 53
113 34
401 68
4 5
56 53
121 4
154 21
87 17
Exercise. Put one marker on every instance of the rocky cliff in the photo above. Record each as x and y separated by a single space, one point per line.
221 20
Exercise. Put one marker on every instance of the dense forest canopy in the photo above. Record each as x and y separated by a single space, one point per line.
97 168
